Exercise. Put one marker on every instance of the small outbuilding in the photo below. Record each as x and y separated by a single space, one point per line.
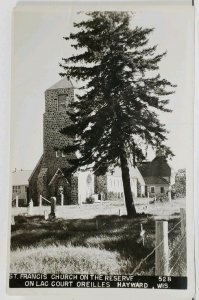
158 175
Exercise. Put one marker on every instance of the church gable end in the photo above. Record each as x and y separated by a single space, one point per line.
33 191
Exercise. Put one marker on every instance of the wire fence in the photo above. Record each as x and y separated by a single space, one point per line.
179 249
180 257
179 244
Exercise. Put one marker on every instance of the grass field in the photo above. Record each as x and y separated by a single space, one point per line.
108 244
66 260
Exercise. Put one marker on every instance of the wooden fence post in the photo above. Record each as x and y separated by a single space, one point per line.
53 207
40 200
162 250
17 201
183 230
62 199
46 215
183 220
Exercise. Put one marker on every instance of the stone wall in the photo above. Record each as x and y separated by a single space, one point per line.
42 182
139 190
53 122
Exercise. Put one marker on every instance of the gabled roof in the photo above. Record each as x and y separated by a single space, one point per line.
21 177
143 167
155 180
64 83
58 172
157 167
37 165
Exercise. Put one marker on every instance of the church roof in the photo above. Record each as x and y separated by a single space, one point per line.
64 83
58 172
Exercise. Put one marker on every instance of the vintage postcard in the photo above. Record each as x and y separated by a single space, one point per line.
102 124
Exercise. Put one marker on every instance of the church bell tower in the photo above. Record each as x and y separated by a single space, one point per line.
50 177
57 100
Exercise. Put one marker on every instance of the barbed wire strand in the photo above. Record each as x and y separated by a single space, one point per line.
144 259
176 261
179 243
176 225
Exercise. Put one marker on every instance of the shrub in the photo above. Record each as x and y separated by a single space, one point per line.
179 188
162 197
90 200
21 219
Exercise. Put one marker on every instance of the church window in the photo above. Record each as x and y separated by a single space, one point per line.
62 102
152 189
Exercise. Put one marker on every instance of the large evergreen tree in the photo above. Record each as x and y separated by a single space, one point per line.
116 112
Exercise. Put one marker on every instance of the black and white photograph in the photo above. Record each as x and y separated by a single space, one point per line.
101 159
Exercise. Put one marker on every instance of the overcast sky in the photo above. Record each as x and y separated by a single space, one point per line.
38 47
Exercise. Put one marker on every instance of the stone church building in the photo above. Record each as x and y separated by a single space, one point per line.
50 177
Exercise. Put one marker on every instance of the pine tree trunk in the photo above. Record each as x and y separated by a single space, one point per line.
130 207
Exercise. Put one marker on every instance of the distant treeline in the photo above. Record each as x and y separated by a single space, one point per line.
179 188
